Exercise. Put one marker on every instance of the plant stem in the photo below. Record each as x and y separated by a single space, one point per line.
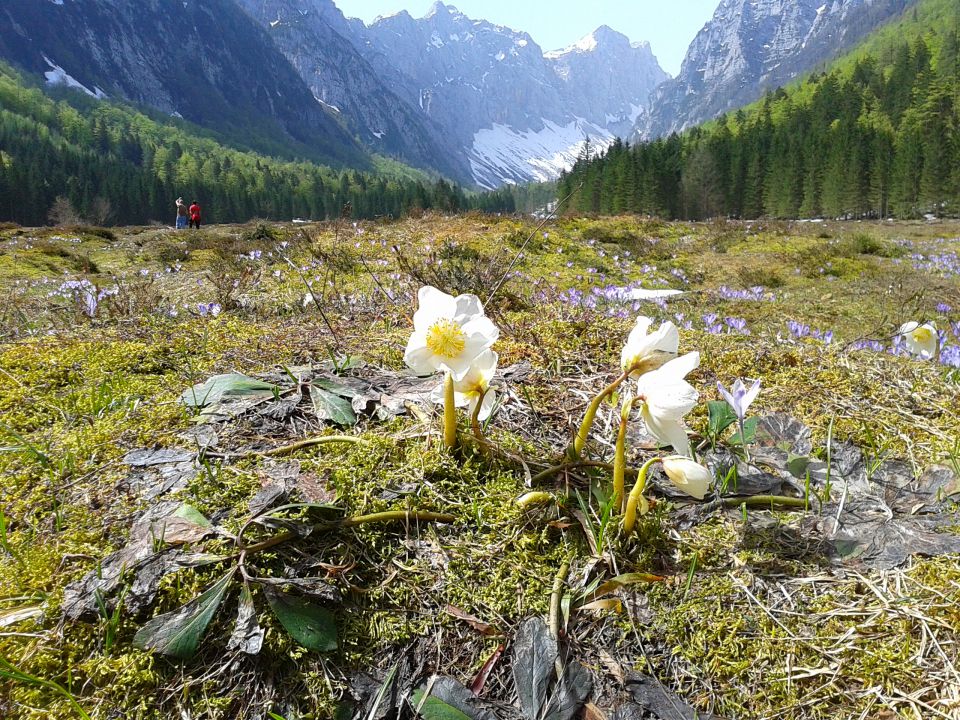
743 439
391 516
558 581
310 442
551 471
620 462
574 451
475 417
388 516
636 496
449 414
765 501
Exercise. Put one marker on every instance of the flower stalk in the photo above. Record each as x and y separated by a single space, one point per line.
475 416
620 454
449 413
636 499
576 449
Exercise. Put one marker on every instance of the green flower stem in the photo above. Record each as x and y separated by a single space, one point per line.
559 580
630 514
449 414
575 450
475 418
765 501
556 469
388 516
743 439
620 460
392 516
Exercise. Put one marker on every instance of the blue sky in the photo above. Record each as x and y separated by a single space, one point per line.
668 25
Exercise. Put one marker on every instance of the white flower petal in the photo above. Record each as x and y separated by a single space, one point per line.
457 366
673 400
418 356
481 325
432 305
461 399
751 395
680 367
909 327
689 476
481 372
486 407
646 352
666 431
467 306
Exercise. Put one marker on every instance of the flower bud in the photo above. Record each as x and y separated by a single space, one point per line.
690 477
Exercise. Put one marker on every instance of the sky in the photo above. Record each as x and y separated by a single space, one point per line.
668 25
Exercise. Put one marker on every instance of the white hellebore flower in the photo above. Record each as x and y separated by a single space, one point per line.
646 351
476 382
921 340
448 333
689 476
667 397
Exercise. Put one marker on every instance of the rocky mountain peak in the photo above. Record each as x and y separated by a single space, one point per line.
751 46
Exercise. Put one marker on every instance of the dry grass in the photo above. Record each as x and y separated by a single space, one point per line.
753 622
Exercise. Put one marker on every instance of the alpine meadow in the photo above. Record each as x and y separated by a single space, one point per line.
402 367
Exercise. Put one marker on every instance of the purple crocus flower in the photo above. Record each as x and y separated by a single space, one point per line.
740 400
90 302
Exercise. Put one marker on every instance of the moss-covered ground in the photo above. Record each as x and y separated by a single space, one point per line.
745 625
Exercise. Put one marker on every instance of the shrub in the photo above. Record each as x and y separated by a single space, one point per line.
768 277
863 243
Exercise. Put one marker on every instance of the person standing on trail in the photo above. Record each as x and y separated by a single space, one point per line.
181 214
195 215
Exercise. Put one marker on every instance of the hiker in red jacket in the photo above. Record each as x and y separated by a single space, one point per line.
195 215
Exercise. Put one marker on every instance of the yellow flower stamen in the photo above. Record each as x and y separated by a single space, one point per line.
446 339
922 335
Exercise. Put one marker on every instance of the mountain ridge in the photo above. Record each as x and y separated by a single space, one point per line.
751 46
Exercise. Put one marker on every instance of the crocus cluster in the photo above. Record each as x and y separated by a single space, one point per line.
453 335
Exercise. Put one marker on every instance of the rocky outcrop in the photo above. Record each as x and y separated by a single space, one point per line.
205 61
516 113
310 33
751 46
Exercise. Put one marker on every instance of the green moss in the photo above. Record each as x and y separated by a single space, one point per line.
82 397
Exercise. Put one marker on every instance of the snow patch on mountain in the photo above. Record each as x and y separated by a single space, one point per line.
58 76
588 43
503 155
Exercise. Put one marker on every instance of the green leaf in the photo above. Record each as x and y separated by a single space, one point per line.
749 430
433 708
328 406
335 387
312 626
385 688
178 633
720 417
797 465
220 387
191 514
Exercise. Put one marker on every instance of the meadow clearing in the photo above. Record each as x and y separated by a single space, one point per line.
228 412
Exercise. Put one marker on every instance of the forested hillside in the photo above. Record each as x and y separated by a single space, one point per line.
92 151
878 134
